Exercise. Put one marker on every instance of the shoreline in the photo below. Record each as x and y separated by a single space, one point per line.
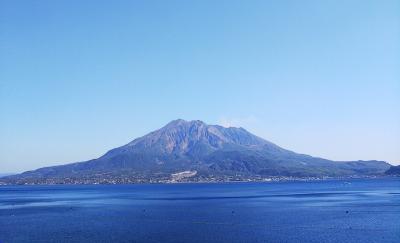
271 180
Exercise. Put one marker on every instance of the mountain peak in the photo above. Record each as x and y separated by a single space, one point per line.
179 122
193 137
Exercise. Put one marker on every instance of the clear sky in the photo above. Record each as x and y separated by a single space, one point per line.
78 78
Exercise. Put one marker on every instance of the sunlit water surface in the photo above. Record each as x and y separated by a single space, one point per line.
323 211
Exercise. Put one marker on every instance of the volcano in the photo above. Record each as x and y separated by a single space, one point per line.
195 151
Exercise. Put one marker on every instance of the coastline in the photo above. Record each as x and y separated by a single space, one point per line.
52 182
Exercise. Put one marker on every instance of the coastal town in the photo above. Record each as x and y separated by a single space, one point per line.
179 177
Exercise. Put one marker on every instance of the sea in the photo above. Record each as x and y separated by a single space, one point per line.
356 210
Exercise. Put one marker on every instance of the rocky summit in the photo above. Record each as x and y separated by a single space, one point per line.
194 151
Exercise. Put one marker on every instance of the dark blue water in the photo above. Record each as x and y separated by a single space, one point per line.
326 211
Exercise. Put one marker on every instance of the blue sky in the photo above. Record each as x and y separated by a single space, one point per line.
78 78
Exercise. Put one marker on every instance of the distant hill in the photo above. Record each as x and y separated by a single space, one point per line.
202 152
393 170
6 174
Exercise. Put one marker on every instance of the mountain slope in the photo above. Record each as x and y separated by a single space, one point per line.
209 150
393 170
